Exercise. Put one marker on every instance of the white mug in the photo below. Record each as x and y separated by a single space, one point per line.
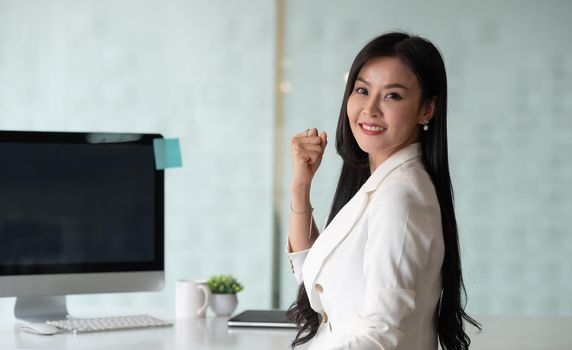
192 298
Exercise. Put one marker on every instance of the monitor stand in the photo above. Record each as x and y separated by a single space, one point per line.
41 309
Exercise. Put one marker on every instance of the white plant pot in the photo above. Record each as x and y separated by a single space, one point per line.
223 304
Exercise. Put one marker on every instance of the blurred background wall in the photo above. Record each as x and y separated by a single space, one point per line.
201 71
204 71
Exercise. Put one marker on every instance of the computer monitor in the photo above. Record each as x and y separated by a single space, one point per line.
79 213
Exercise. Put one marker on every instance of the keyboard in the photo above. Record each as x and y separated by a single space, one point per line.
106 324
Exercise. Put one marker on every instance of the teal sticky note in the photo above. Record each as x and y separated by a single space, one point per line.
167 153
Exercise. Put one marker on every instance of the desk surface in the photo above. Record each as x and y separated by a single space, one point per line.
210 333
500 332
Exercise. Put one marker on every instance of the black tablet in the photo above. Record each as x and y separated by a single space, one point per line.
261 318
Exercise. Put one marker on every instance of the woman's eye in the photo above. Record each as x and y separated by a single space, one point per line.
393 96
361 91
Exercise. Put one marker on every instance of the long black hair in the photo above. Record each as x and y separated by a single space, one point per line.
425 61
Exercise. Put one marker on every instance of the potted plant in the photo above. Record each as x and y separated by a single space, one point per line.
224 289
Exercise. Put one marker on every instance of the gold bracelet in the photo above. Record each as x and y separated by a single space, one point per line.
309 210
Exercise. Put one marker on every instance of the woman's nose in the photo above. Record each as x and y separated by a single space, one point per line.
371 108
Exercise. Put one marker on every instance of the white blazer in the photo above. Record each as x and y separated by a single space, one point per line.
374 274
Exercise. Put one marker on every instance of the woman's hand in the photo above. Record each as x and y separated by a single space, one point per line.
307 149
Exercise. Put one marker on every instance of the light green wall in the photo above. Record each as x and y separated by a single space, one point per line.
201 71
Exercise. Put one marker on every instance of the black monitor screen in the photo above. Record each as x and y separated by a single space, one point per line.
79 207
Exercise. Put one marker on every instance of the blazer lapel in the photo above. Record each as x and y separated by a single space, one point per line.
336 231
348 216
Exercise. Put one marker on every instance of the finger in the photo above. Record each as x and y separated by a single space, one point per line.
306 132
324 138
312 132
307 155
311 157
301 133
315 140
301 137
309 147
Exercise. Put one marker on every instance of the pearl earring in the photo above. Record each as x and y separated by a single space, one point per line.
426 126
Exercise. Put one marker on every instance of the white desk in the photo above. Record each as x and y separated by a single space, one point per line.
189 334
500 333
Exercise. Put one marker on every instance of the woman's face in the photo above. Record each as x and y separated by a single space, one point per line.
385 108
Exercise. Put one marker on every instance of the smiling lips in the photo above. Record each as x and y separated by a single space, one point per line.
371 129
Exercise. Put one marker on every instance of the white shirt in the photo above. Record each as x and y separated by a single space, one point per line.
374 274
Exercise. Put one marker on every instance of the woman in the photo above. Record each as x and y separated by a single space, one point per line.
385 273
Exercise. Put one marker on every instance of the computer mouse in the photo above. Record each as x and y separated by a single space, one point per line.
38 328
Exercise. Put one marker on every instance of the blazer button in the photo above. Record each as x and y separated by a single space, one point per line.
319 288
325 317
